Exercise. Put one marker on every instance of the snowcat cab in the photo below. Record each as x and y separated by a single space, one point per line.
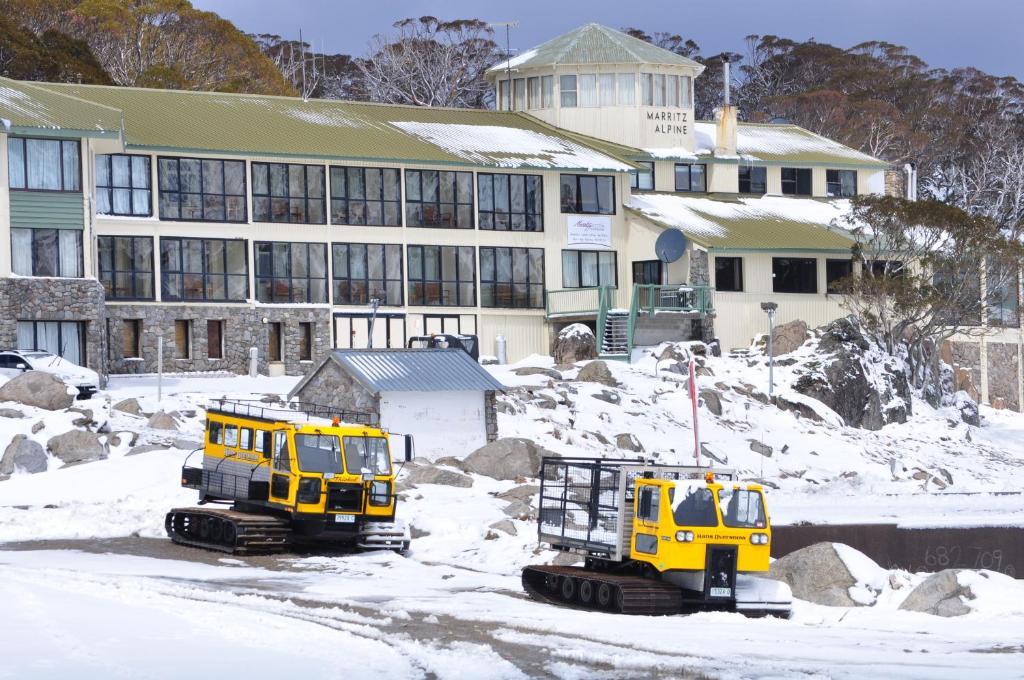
656 539
468 343
292 474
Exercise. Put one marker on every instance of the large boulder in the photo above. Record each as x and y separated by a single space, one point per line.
788 337
11 413
940 594
507 458
23 454
39 389
816 574
575 342
598 372
866 387
427 474
129 406
536 370
162 421
77 446
967 407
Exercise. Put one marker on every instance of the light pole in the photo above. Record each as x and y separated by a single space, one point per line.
769 309
374 304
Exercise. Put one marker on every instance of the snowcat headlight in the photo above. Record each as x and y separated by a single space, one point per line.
759 539
309 491
684 536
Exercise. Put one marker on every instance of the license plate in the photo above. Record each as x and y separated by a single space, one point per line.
344 519
721 592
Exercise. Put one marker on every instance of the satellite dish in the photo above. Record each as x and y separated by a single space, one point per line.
670 246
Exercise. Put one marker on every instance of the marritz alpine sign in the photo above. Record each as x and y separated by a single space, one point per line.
668 122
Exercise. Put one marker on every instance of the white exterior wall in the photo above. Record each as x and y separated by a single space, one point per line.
5 210
443 423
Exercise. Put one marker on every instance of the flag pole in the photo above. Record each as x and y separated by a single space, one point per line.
693 403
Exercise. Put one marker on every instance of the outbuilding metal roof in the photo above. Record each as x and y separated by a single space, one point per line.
32 106
411 370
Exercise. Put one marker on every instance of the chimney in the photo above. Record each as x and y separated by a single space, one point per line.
725 118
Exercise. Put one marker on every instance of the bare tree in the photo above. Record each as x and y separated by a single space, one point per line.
430 62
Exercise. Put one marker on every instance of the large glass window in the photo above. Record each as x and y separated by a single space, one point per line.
588 90
370 453
285 192
511 202
442 275
439 198
126 267
589 268
567 86
43 164
370 196
547 91
841 183
606 89
203 269
835 273
64 338
588 194
626 92
1003 285
742 508
123 185
729 274
753 180
363 271
686 92
46 252
202 189
794 275
512 277
533 93
519 91
691 177
796 181
694 507
291 272
319 453
642 180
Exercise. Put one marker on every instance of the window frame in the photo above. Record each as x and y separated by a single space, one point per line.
838 181
219 325
795 181
180 271
526 213
79 326
456 204
423 280
579 267
736 263
775 279
113 272
202 193
131 188
634 176
830 280
273 277
35 232
136 326
690 174
494 282
564 91
186 351
24 156
397 202
579 194
336 279
750 179
288 198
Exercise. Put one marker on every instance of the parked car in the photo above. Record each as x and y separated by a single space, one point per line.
16 361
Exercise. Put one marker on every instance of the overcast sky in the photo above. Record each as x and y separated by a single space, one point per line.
945 33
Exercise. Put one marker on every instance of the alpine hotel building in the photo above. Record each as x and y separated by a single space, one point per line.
228 221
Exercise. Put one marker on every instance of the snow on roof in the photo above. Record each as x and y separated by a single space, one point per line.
768 222
779 142
510 147
18 102
515 61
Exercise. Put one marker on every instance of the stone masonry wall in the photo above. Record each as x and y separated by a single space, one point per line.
1003 379
243 328
699 275
53 299
491 415
967 355
332 386
895 183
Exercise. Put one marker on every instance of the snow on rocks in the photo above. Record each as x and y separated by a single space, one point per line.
508 458
816 574
23 454
77 446
597 371
38 389
575 342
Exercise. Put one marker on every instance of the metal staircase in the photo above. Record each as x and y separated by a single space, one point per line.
615 341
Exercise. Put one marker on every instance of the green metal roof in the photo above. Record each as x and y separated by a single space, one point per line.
32 106
594 44
765 223
773 143
226 123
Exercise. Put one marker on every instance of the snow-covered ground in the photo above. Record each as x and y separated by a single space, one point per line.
100 591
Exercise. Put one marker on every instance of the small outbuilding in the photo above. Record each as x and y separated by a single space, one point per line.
442 397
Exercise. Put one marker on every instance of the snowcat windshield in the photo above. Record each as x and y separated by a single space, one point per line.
742 509
367 452
693 506
319 453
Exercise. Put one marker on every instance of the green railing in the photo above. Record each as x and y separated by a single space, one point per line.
649 299
572 301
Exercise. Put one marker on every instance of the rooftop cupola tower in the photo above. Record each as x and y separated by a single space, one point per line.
601 82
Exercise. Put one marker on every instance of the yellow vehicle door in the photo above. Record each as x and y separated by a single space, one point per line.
646 520
281 469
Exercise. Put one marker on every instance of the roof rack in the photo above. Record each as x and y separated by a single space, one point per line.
291 411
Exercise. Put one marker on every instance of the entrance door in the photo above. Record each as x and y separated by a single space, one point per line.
352 331
647 272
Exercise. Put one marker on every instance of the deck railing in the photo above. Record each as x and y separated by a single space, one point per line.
572 301
673 298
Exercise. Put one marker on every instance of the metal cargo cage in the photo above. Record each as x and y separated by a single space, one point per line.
586 504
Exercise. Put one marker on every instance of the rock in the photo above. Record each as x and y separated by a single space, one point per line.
450 461
816 574
597 371
628 442
940 594
162 421
42 390
598 436
505 526
534 370
545 402
609 397
523 492
432 475
488 360
758 447
77 446
86 418
800 408
788 337
416 532
967 407
38 427
115 438
752 392
566 559
11 413
23 454
712 399
186 444
575 342
720 458
129 406
506 458
520 510
146 448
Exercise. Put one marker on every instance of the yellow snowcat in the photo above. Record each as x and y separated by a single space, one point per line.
656 539
292 474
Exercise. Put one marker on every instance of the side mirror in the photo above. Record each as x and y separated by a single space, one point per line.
409 447
23 367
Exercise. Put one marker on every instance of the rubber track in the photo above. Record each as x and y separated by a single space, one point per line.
254 534
639 596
